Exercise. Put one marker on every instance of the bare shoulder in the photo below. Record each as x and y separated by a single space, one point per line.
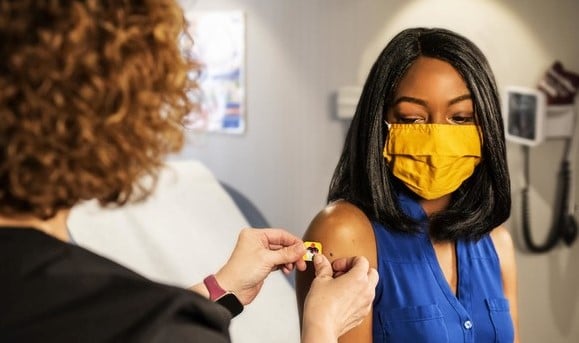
344 230
503 243
505 249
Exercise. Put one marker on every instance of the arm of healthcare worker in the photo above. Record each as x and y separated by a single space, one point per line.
344 230
257 253
334 304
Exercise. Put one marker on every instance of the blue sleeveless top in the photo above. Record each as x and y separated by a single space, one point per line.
414 302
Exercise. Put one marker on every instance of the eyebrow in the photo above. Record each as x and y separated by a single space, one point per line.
412 100
459 99
425 104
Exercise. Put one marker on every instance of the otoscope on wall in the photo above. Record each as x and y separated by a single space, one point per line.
531 116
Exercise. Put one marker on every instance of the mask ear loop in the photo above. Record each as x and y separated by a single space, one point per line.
388 125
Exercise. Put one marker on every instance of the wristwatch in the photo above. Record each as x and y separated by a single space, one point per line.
227 299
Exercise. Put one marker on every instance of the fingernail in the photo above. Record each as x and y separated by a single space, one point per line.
317 259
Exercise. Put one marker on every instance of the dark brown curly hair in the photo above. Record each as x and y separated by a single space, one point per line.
92 96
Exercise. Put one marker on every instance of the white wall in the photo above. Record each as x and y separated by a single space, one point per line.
299 52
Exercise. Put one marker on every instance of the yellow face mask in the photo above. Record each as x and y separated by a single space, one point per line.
432 159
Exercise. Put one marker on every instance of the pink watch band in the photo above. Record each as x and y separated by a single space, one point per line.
215 291
225 298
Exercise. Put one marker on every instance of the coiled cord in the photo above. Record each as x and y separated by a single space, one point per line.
564 225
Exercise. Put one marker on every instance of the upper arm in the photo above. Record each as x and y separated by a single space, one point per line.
505 249
344 231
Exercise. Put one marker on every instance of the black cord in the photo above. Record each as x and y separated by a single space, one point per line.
567 223
564 225
565 220
552 237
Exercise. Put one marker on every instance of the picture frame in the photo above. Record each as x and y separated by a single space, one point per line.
216 41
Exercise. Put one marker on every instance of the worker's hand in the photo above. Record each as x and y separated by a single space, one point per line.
257 253
340 297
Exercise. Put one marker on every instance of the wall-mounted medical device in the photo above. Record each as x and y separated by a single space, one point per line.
524 113
529 120
532 116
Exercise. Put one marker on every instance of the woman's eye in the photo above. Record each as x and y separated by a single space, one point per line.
410 120
462 119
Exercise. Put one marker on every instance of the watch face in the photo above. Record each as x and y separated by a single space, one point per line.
230 302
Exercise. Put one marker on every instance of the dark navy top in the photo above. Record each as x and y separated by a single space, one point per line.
414 302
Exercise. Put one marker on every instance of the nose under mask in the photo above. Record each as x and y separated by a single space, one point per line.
432 160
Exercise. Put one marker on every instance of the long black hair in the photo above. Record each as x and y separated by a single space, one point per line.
362 175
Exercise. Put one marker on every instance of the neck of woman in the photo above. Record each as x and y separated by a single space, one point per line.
435 205
55 226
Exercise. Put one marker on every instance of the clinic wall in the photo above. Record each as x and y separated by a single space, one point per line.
299 52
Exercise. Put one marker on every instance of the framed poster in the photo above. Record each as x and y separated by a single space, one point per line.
218 45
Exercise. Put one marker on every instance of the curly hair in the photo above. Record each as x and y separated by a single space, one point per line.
93 93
